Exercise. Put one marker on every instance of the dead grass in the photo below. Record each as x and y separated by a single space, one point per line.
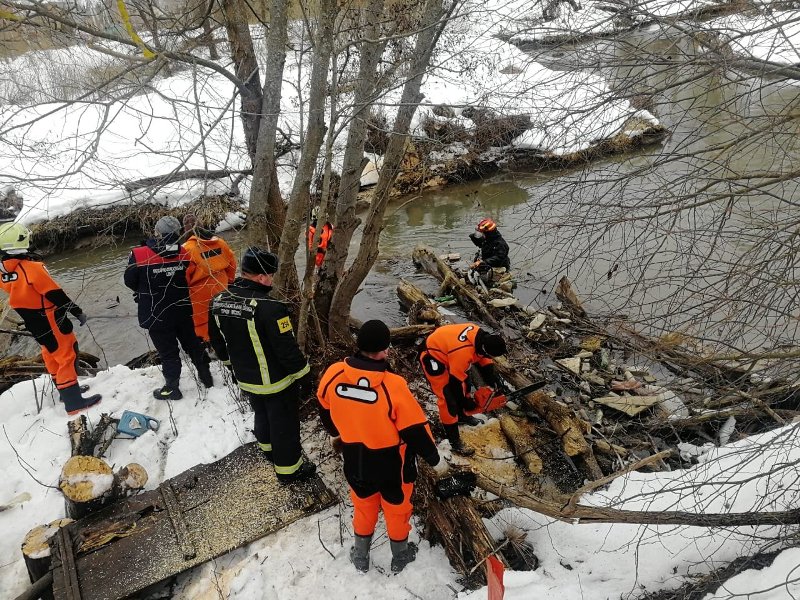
110 225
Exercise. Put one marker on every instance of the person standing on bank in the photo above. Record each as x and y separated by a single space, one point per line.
449 353
252 334
212 268
43 306
381 429
156 273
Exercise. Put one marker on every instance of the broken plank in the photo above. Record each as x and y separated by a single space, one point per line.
630 405
222 506
176 516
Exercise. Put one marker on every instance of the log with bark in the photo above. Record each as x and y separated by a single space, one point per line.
36 550
580 514
427 259
421 309
561 418
459 528
89 484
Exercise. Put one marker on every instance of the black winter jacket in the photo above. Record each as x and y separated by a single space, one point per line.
156 273
253 333
494 250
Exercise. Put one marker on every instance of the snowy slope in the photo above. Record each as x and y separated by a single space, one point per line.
593 562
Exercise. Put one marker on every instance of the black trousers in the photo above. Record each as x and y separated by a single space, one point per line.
166 335
277 424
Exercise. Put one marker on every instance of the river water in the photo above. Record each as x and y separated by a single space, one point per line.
599 225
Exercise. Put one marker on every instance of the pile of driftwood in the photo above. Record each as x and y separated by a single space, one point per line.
604 413
16 368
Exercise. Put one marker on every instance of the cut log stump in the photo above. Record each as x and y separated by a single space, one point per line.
36 551
88 484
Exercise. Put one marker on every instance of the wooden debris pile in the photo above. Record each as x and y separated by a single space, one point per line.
16 368
616 401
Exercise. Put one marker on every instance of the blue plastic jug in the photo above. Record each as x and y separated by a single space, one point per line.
135 424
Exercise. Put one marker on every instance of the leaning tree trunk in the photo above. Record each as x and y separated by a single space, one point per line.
345 221
267 211
243 55
431 27
300 199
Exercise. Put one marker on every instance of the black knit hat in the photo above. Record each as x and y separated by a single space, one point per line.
258 261
490 344
373 336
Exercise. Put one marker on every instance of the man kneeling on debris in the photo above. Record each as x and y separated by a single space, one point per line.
379 427
43 306
449 353
493 247
252 333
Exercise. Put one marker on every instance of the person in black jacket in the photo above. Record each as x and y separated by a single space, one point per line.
156 273
493 248
252 333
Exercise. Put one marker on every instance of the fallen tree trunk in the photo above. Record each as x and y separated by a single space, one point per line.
564 421
425 257
522 442
458 526
407 333
40 589
410 332
420 308
204 174
580 514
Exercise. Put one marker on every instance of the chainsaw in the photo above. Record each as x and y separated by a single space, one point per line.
487 398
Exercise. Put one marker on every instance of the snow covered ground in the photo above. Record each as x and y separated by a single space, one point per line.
64 156
773 35
592 562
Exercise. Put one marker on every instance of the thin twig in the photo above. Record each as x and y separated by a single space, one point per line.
319 536
22 463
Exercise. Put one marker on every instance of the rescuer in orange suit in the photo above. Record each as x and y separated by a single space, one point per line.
449 353
324 239
380 429
43 306
212 266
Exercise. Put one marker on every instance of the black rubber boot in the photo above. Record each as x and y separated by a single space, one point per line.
451 431
74 402
359 553
468 420
402 553
170 391
204 373
306 471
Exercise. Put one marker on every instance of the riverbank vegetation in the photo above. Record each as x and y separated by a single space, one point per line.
685 238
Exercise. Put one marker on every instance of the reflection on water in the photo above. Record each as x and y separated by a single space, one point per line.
663 269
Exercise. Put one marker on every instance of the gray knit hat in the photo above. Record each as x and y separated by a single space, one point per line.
166 226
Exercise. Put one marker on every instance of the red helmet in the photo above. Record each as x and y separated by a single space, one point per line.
486 225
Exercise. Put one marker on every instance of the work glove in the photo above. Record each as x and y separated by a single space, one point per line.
441 469
82 318
336 444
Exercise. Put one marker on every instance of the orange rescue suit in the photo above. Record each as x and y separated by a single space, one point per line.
382 429
43 307
212 266
449 353
324 239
